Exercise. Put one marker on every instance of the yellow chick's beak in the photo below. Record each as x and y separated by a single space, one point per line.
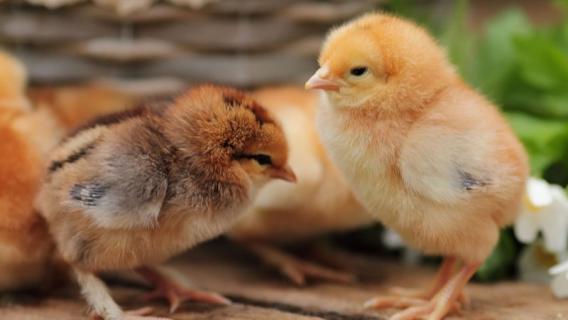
285 173
319 81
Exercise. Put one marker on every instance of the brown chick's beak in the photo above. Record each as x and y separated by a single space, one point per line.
316 82
284 173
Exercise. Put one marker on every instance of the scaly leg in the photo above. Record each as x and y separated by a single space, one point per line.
411 297
444 302
168 288
404 297
293 268
102 304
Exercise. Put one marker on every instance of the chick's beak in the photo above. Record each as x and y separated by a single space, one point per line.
285 173
321 81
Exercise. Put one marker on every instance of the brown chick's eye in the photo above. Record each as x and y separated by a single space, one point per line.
358 71
262 159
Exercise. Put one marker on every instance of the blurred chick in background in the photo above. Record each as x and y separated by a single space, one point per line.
25 138
132 189
319 203
75 105
13 82
426 154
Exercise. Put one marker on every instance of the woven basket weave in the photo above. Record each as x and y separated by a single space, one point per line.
240 42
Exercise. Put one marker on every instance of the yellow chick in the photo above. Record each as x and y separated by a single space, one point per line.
25 245
13 82
319 203
426 154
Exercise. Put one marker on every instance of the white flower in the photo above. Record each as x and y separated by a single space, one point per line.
545 208
559 284
392 240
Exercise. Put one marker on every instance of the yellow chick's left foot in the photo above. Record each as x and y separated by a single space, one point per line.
448 298
168 288
406 297
296 270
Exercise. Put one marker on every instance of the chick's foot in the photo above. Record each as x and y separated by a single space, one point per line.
174 293
294 269
447 299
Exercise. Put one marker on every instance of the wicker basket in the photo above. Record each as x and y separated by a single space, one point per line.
240 42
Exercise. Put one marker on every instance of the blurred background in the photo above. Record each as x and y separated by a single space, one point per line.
515 52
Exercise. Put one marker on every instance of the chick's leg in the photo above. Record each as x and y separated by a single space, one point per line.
293 268
102 304
442 277
445 301
403 297
168 288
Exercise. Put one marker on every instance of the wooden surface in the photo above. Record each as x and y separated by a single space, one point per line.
260 293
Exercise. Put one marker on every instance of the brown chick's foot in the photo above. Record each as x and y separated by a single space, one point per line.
295 269
174 293
447 299
138 314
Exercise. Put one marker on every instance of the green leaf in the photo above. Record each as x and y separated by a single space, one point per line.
496 57
542 63
545 140
458 39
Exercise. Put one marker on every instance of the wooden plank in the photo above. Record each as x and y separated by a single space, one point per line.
243 71
230 33
260 293
243 280
72 308
39 27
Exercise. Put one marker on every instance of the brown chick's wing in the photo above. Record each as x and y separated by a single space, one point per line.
113 181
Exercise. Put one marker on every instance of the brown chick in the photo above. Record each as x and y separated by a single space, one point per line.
427 155
135 188
25 245
319 203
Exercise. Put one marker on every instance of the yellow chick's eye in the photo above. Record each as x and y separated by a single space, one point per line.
358 71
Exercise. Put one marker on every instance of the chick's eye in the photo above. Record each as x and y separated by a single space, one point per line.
358 71
262 159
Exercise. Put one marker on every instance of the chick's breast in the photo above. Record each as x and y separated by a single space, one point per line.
320 201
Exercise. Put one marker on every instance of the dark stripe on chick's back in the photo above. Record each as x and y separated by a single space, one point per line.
58 164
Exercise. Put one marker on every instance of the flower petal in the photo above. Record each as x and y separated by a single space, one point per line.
392 239
538 192
559 286
554 221
526 227
559 268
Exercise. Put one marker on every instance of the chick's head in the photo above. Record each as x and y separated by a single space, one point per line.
380 60
223 129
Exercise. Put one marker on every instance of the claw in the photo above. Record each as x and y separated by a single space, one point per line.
393 302
176 294
294 269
